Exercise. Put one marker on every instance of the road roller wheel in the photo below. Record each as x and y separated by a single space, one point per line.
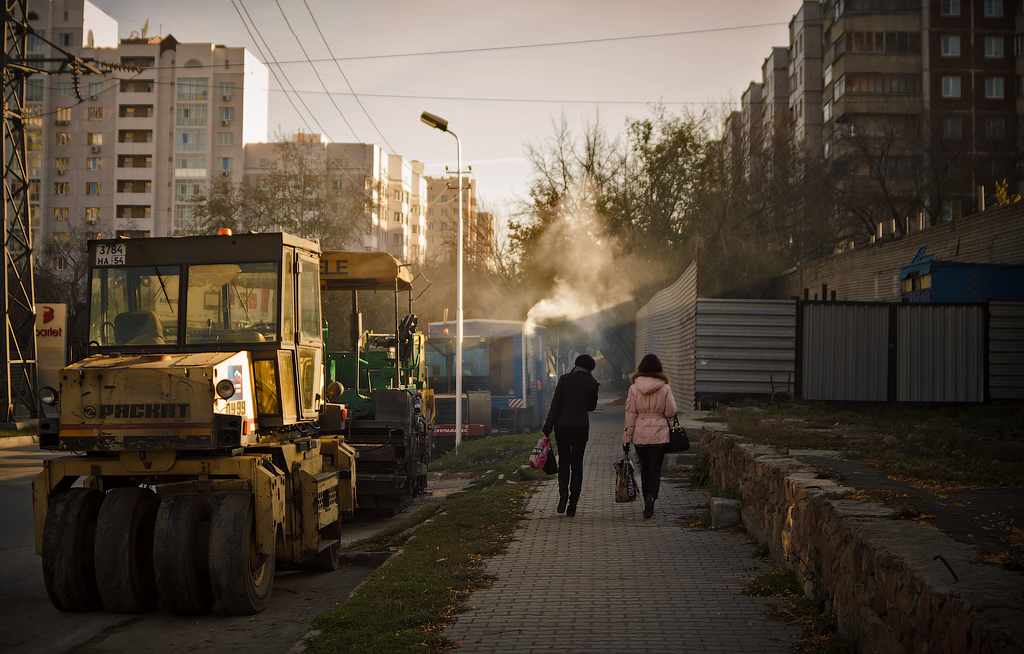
124 550
181 553
241 577
69 532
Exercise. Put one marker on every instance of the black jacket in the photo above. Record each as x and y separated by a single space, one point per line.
575 395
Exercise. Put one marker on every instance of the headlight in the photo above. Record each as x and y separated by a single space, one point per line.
48 395
225 388
334 389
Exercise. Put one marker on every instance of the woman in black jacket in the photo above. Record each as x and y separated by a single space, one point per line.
575 396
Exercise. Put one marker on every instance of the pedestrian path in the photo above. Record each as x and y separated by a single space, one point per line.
607 580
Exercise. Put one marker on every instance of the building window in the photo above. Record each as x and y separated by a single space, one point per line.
190 165
994 88
225 138
34 191
994 8
62 163
61 213
994 47
882 82
227 113
190 114
184 190
398 239
95 88
951 87
951 46
92 214
67 40
950 7
442 226
92 188
444 213
35 42
190 140
398 216
94 113
60 238
444 198
65 88
94 138
952 128
34 90
192 89
62 188
995 129
224 163
92 163
227 88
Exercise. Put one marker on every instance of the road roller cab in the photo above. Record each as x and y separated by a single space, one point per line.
205 452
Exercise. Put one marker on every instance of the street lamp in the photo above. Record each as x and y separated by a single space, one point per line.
440 123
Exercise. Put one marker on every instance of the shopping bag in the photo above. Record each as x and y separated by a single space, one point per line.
625 482
677 440
550 464
541 453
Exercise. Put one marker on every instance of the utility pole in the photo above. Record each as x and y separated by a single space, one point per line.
19 348
18 369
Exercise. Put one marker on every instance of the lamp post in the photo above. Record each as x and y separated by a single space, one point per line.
440 123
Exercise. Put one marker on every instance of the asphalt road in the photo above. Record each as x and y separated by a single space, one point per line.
29 624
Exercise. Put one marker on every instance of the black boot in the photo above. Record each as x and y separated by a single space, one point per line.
648 506
562 499
571 509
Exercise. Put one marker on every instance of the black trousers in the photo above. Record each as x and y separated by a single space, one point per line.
651 458
571 442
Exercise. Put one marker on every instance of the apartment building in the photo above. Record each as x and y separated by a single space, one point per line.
442 222
912 104
805 77
124 152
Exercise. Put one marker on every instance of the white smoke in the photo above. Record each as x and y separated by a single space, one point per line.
588 276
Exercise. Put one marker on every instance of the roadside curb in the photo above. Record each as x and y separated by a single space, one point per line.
18 441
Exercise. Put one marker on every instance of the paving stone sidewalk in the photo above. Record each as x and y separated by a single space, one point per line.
607 580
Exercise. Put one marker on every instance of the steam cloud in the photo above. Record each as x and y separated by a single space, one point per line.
589 278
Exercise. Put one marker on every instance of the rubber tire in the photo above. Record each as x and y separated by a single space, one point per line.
328 560
124 550
242 580
181 543
69 533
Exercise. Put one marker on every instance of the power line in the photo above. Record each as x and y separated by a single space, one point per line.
345 77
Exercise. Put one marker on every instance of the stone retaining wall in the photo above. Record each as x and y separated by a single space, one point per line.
897 586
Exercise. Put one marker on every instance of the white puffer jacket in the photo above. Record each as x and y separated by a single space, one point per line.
649 406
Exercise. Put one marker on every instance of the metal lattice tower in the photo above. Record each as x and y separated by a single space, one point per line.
18 369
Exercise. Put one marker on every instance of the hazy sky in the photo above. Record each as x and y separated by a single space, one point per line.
500 72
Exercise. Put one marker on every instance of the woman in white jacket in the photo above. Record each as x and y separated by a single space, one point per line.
649 405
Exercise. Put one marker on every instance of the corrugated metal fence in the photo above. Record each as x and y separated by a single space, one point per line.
665 327
743 346
893 352
853 351
1006 350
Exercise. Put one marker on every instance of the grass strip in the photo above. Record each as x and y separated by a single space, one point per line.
405 604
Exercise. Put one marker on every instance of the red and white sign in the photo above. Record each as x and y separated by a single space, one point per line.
515 403
51 341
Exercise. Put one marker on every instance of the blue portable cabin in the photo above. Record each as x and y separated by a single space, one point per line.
504 357
926 279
